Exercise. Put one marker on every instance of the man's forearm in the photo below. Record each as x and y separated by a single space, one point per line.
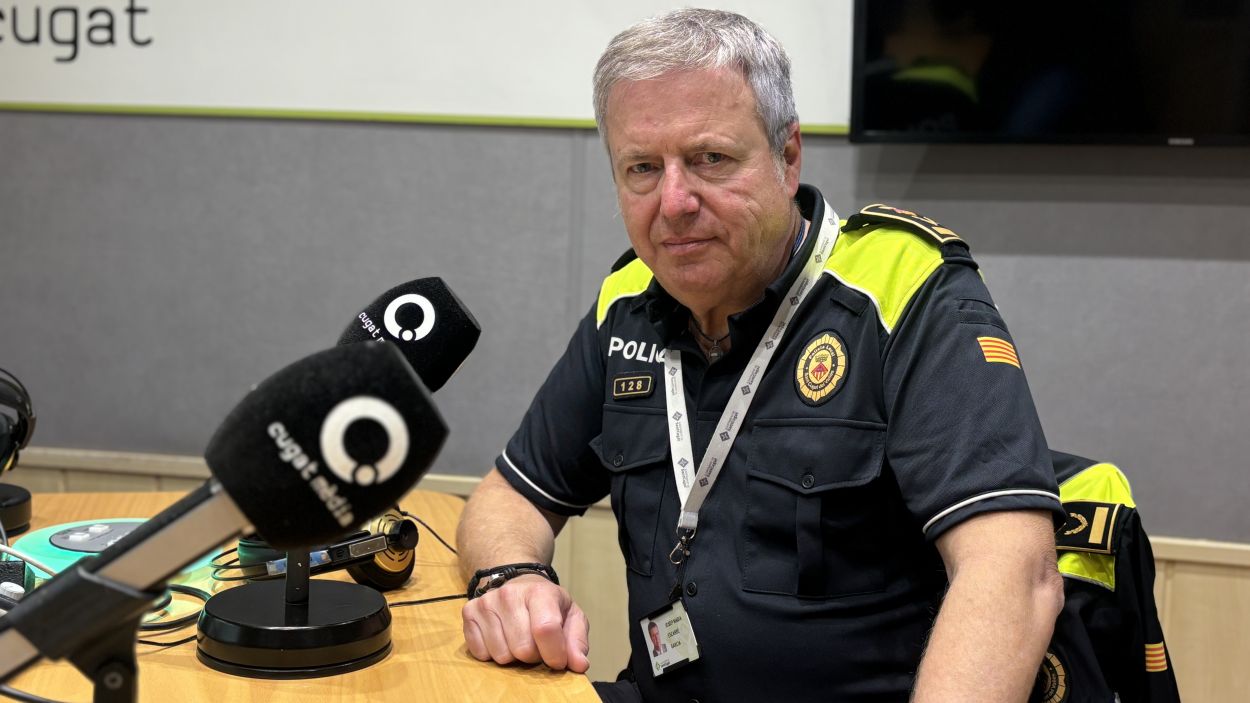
997 618
499 526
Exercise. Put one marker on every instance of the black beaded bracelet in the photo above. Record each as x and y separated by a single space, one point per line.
487 579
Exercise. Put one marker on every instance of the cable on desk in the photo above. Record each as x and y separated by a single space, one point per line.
222 555
218 567
423 601
15 694
176 623
450 548
175 643
5 549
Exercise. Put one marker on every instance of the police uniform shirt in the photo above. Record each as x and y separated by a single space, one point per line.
895 408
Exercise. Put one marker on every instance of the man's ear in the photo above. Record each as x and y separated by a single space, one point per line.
792 158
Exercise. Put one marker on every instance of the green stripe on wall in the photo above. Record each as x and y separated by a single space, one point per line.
338 115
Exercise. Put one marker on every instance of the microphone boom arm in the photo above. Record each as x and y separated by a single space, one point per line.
122 580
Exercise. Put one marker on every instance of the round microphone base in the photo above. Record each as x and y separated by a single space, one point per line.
252 631
14 509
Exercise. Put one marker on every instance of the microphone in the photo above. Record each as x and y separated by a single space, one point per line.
308 456
433 329
426 321
301 627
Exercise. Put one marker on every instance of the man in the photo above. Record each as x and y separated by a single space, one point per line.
812 438
657 647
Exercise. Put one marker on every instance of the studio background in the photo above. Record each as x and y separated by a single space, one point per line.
155 268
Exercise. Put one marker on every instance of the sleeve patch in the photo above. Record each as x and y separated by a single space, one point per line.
1091 527
998 351
1156 657
880 213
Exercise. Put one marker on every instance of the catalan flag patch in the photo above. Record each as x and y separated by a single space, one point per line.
1156 657
998 351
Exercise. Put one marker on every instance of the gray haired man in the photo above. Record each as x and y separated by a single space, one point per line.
826 466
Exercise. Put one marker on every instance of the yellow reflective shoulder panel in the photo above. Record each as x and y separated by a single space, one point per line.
886 263
1097 569
1103 483
626 282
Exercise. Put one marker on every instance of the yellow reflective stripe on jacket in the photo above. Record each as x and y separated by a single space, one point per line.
1095 568
1104 483
940 74
626 282
886 263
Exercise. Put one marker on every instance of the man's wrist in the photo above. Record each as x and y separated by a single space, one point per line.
493 577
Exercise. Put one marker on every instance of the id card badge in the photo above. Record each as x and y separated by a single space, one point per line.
669 638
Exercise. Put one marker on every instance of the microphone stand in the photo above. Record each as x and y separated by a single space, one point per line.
109 661
297 573
90 613
295 628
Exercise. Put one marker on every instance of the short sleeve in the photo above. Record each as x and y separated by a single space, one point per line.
963 437
549 459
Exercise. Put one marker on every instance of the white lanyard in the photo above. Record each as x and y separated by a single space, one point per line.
694 487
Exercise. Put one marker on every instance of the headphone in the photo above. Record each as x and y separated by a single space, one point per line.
380 556
17 419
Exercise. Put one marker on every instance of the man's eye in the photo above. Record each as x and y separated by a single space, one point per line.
712 157
640 168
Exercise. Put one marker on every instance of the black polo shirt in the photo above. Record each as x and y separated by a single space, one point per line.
813 574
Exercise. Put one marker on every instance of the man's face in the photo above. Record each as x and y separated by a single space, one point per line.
704 203
655 635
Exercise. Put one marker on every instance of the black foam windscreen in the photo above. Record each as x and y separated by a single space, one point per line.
320 447
426 321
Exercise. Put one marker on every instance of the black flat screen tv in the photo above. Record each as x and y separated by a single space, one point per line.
1171 72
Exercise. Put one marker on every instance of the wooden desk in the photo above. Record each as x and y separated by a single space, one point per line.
428 662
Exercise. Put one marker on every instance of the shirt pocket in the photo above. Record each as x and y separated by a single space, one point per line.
814 508
634 449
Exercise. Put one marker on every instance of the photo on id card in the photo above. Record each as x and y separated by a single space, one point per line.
669 638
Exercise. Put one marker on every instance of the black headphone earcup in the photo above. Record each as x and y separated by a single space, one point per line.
8 443
372 574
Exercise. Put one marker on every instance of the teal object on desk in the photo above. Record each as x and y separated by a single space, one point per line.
61 546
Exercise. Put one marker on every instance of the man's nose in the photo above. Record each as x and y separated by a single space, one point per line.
677 193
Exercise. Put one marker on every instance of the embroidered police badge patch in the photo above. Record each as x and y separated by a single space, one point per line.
632 385
821 368
1052 681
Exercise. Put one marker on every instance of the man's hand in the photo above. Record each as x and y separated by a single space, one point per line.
528 619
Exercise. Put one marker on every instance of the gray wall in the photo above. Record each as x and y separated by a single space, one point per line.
152 269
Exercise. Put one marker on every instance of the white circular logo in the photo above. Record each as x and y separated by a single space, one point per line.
334 452
398 332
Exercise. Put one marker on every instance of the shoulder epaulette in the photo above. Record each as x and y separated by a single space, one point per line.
1098 500
1091 527
888 214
